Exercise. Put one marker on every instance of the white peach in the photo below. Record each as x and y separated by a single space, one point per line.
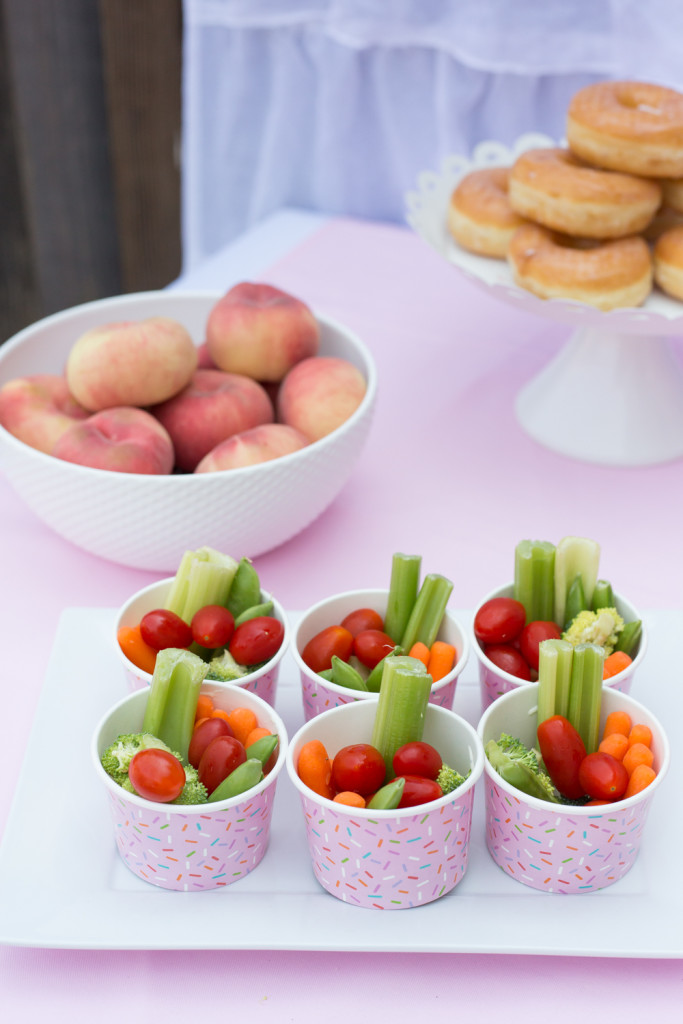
320 394
214 406
123 439
38 409
131 363
261 444
261 331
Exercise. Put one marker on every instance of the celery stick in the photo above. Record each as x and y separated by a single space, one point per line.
427 614
403 586
401 706
603 595
535 579
203 577
172 701
554 677
574 556
585 693
576 601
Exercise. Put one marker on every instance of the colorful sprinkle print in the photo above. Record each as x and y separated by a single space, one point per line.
493 686
390 863
557 851
192 852
318 698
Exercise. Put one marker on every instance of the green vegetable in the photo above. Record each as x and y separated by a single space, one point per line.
263 748
602 628
534 584
629 638
403 587
344 674
401 706
244 777
576 601
172 702
245 591
193 792
120 753
428 611
374 679
223 668
204 577
254 612
449 779
574 556
388 797
520 768
603 595
585 693
554 678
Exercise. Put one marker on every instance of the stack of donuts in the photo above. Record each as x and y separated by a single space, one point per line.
600 220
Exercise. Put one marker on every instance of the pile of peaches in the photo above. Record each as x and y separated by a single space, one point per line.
142 397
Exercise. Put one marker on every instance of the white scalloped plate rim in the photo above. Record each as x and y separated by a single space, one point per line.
427 207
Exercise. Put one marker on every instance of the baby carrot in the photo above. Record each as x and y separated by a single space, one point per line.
198 722
256 734
419 651
350 798
441 659
135 649
205 706
641 777
615 662
242 721
615 744
635 755
640 734
315 768
220 713
617 721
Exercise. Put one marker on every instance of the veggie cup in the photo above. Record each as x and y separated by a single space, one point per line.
494 681
389 859
558 848
262 681
189 848
321 695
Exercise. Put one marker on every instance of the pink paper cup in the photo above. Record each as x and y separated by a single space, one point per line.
556 848
319 695
262 682
389 860
494 682
190 848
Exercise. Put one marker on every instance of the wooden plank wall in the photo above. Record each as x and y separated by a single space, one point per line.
89 143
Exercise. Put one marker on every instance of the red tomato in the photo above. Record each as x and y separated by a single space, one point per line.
317 653
532 635
417 758
213 626
509 659
257 640
602 777
563 752
202 736
499 620
371 645
361 619
161 628
360 768
419 790
221 756
156 775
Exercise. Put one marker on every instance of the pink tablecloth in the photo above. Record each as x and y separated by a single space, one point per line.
448 473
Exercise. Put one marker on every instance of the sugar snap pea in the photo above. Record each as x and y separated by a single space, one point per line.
244 777
245 591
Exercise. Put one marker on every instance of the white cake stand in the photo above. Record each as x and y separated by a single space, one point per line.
614 393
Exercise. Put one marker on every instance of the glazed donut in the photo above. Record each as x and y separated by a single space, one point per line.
664 219
633 127
554 188
607 275
672 192
668 262
480 217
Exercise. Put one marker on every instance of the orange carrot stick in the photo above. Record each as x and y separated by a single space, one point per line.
242 721
641 777
640 734
614 663
617 721
135 649
637 754
615 744
350 798
420 651
314 768
441 659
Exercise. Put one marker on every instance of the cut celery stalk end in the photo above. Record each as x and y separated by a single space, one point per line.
554 678
585 693
172 700
401 706
403 587
428 612
534 584
204 577
574 556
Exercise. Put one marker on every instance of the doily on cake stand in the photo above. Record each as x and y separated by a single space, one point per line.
614 393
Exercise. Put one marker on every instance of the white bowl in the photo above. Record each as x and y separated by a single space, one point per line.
148 522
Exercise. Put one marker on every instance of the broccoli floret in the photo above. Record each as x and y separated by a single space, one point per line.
120 753
223 668
193 792
518 752
520 767
602 628
449 779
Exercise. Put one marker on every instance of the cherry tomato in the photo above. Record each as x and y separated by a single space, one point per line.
202 736
317 653
499 620
156 775
360 768
213 626
602 777
532 635
257 640
371 645
419 790
221 756
361 619
161 628
563 752
509 659
417 758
